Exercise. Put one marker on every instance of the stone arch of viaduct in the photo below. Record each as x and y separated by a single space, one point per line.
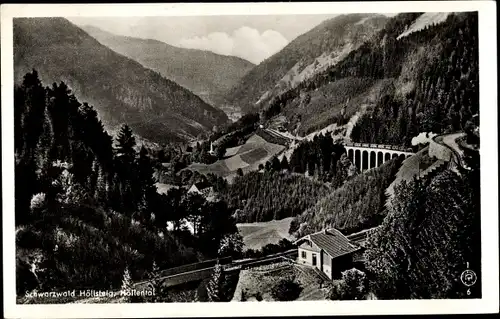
368 156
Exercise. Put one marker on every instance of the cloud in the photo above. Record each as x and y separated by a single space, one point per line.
422 138
245 42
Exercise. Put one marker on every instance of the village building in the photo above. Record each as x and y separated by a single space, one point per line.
329 251
204 189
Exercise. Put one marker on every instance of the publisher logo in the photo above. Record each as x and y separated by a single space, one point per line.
468 277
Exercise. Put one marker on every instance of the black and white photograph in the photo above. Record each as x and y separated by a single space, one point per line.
317 158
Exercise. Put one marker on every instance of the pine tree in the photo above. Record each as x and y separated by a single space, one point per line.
275 164
239 172
284 163
126 143
215 285
126 284
145 186
100 193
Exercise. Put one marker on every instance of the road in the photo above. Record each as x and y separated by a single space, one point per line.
450 140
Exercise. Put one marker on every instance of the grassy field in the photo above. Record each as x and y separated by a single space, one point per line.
248 156
257 235
164 188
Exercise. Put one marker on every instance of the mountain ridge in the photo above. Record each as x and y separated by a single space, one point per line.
334 38
121 89
207 74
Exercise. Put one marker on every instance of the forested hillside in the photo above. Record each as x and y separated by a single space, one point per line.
358 204
444 92
268 195
431 234
87 210
403 85
208 75
323 160
312 52
122 90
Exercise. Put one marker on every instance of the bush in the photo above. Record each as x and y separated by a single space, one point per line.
353 286
286 290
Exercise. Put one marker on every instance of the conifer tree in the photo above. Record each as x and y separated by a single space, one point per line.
145 186
275 164
215 285
126 284
284 163
126 143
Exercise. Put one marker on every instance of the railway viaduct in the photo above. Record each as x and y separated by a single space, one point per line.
367 156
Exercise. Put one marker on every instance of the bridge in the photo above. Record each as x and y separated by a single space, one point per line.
367 156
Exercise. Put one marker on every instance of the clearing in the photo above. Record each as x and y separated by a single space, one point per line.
257 235
248 156
164 188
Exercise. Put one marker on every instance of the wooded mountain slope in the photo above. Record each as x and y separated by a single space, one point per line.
272 195
309 53
401 85
122 90
356 205
432 232
205 73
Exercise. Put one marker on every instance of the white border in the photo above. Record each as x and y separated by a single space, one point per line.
489 162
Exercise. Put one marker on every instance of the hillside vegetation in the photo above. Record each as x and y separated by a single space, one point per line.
308 54
122 90
428 75
356 205
431 234
439 84
206 74
256 151
88 212
272 195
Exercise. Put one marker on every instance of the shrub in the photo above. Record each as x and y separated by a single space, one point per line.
37 201
286 290
353 286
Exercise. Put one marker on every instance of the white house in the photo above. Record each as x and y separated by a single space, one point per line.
328 250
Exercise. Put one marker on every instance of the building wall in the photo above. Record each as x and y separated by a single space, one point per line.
308 249
327 264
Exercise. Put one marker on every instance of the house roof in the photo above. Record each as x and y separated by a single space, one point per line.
361 236
332 241
201 185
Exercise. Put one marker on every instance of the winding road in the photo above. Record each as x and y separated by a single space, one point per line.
450 141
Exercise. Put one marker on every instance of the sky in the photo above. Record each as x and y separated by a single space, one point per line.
253 38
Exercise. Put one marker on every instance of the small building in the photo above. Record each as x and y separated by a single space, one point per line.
201 188
204 189
329 251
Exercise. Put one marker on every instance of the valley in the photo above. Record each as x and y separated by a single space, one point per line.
328 171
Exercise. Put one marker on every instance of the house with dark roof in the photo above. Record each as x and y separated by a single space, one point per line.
329 251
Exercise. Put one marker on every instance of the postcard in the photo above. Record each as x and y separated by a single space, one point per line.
249 159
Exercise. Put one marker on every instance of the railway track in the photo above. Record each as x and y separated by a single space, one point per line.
199 271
